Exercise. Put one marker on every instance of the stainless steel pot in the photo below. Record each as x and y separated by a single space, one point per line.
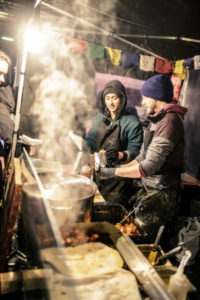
70 197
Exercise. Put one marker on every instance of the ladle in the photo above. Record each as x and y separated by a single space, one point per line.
153 253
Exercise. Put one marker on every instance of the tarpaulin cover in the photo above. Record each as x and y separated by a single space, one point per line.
191 100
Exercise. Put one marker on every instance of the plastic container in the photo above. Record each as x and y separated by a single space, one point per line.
178 283
178 286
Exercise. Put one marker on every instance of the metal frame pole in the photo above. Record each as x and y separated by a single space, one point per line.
19 99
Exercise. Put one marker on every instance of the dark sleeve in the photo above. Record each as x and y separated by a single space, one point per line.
134 134
2 152
90 139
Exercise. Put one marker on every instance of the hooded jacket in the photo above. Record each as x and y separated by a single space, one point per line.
163 153
130 127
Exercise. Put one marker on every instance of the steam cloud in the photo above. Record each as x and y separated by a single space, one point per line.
64 98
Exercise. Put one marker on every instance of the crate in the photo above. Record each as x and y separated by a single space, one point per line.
112 213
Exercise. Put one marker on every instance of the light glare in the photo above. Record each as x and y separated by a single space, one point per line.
34 40
7 38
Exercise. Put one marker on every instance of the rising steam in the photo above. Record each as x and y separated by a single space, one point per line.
64 97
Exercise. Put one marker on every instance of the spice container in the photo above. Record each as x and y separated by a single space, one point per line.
86 171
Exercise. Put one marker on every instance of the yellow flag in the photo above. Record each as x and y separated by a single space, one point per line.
179 68
182 75
115 55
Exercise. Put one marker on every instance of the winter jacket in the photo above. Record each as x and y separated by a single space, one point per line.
7 105
130 128
162 153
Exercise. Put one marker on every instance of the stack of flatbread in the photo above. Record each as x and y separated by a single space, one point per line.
91 271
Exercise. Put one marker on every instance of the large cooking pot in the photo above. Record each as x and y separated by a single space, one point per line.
69 196
66 198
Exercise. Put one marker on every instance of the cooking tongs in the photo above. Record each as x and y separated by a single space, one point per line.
126 217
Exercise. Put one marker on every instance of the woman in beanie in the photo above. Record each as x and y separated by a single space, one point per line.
161 159
120 134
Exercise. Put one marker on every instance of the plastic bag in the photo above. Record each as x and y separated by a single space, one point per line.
189 238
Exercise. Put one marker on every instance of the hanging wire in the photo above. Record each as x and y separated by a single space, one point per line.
138 25
133 23
190 43
113 17
60 11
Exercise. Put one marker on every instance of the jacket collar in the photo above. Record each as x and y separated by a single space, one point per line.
169 108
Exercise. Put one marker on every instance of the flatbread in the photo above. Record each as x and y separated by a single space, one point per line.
86 260
120 285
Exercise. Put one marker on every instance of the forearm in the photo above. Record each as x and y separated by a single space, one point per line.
129 171
131 163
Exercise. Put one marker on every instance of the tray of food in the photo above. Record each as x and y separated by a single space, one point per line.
114 214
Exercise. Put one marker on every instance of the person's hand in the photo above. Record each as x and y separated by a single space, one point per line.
2 159
111 156
105 173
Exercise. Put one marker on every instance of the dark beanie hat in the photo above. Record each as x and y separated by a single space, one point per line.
158 87
114 86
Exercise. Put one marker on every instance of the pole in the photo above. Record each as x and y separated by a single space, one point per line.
19 99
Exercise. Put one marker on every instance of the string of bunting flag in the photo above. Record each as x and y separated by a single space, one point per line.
129 59
146 63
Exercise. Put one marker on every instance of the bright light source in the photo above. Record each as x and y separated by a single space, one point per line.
34 40
7 38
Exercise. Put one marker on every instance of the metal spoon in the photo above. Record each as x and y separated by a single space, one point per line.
153 253
168 254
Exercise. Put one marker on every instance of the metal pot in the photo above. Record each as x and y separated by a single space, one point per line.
71 200
70 197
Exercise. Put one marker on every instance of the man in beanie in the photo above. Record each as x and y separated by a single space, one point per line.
120 135
161 159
